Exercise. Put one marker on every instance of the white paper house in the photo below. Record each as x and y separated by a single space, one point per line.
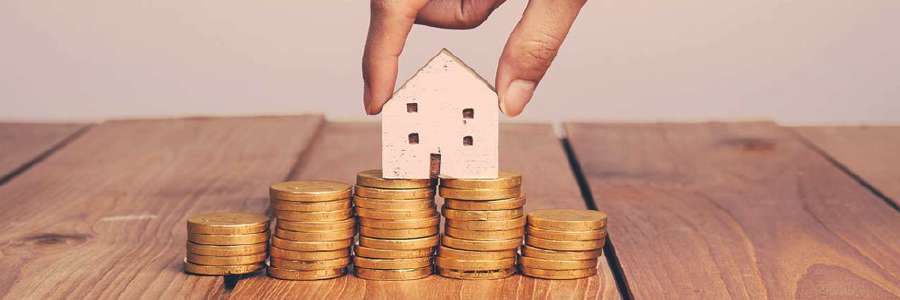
445 115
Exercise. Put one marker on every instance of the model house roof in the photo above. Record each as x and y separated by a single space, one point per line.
436 63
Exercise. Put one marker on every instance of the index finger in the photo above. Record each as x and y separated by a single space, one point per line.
389 26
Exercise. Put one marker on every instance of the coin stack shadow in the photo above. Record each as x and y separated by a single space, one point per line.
484 227
398 227
226 243
314 230
563 243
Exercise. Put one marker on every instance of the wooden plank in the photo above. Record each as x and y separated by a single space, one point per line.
105 216
745 210
872 153
23 143
347 148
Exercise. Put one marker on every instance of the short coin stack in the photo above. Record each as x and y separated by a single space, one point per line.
398 227
484 227
563 243
226 243
314 232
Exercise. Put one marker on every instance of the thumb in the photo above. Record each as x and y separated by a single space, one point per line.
530 50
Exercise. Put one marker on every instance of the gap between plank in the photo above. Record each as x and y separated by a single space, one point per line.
890 202
56 147
611 258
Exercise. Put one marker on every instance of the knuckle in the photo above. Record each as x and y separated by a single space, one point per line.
468 19
539 53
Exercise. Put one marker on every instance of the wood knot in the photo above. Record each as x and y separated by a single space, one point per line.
53 239
750 144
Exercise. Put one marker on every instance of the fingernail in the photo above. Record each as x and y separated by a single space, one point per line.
518 93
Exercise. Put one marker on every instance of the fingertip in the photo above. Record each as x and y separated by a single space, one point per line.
516 95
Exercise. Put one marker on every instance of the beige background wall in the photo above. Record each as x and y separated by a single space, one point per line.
797 61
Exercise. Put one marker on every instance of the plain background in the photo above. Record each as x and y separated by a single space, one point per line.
800 61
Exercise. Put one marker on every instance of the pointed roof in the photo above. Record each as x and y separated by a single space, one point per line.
446 53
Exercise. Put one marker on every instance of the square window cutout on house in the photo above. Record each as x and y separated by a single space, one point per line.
413 138
412 107
467 140
468 113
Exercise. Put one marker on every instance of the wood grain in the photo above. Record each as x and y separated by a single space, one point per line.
105 216
872 153
346 148
745 211
22 143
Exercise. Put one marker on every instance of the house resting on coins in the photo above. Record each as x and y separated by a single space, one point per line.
443 120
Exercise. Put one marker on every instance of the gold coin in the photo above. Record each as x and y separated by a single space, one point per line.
336 235
400 224
400 244
395 214
504 180
230 239
558 274
391 264
377 193
488 225
481 215
495 245
479 194
511 203
310 246
209 260
381 233
567 219
485 235
564 245
560 255
547 264
319 216
288 274
472 265
392 254
227 223
310 191
383 204
216 250
403 274
566 235
374 178
315 226
276 252
220 270
476 275
305 265
311 206
475 255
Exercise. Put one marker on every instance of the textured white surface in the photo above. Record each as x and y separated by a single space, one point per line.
441 90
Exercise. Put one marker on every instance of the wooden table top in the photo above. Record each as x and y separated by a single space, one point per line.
700 210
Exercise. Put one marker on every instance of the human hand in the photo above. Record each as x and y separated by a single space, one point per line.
527 55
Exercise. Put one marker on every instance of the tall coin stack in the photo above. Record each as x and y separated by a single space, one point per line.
398 227
226 243
563 243
314 231
484 227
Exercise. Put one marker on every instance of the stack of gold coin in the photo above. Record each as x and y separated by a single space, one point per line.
314 231
398 227
226 243
484 226
563 243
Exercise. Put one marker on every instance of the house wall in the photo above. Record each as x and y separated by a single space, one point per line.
441 90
